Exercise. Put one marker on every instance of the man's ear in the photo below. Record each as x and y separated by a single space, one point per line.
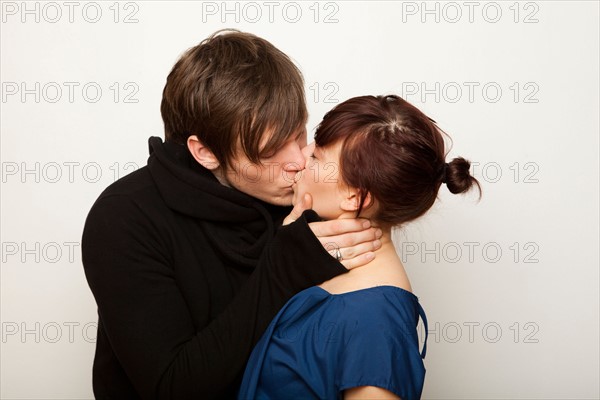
351 201
201 153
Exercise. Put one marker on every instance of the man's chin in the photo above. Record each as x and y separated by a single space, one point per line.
284 200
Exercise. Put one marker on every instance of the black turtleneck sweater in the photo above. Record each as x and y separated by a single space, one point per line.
187 274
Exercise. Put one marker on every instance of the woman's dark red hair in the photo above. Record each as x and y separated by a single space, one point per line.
396 153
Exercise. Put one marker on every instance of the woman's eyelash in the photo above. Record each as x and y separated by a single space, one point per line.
313 155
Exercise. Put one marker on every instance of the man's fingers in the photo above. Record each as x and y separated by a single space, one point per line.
353 242
304 204
358 261
360 249
350 239
339 226
308 201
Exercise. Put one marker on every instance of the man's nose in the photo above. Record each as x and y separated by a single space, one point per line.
298 160
298 175
308 150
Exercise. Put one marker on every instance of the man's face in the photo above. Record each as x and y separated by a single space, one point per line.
271 182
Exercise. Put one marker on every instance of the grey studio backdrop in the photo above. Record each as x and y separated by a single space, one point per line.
510 284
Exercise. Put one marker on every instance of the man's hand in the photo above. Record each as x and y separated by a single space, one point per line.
352 239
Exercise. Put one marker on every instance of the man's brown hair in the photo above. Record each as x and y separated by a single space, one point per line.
230 90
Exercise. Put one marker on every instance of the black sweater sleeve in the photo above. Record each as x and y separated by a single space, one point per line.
144 314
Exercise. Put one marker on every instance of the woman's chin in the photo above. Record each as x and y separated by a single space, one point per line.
295 197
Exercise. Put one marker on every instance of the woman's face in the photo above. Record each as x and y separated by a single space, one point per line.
321 178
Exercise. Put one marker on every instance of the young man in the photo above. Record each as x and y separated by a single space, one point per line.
187 257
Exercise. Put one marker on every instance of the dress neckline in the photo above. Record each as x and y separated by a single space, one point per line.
372 288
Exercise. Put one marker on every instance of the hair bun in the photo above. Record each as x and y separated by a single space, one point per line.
457 177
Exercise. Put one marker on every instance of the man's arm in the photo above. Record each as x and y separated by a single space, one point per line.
127 261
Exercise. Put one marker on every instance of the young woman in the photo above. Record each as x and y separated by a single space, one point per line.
354 336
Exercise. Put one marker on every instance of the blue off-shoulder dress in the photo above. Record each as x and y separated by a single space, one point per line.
320 344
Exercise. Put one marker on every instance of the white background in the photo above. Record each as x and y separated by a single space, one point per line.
510 284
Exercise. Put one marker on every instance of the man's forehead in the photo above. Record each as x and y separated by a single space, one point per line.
297 134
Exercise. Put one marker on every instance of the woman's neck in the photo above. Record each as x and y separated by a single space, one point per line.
385 269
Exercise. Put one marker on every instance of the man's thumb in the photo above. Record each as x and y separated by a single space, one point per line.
304 204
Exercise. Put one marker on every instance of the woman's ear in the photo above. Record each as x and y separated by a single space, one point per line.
202 154
351 201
